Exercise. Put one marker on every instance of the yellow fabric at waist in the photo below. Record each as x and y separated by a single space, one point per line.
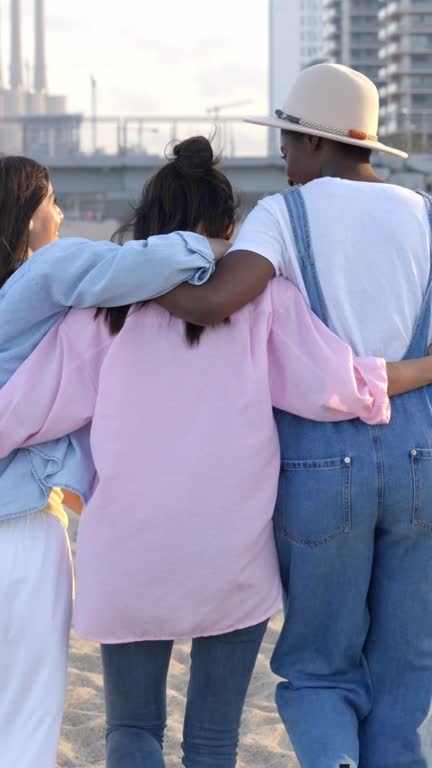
55 506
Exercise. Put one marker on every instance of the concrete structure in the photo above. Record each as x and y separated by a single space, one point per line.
311 32
16 71
106 186
295 41
406 69
47 136
31 120
40 72
2 84
284 48
15 98
351 35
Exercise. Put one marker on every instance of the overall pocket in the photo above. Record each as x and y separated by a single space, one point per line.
421 463
314 500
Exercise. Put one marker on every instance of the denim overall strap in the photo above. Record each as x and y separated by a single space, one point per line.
299 219
420 337
300 226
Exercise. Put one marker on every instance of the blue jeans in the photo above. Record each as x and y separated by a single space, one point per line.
353 526
135 677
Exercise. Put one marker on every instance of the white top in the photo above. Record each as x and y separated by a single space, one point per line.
372 251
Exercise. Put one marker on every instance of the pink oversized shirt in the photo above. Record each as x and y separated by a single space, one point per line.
177 539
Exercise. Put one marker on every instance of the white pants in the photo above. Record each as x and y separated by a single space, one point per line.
35 615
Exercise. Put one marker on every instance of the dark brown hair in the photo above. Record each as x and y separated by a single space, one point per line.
187 193
24 185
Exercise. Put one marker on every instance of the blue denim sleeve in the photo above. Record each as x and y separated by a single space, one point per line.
73 272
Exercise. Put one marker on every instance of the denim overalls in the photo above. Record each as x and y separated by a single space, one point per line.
353 527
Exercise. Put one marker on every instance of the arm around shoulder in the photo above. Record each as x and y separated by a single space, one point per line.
239 278
74 272
257 255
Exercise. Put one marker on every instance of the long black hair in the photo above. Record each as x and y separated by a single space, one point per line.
186 194
24 185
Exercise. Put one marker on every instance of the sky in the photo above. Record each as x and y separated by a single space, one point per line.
152 56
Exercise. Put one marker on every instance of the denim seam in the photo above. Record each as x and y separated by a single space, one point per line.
348 497
416 485
379 466
314 543
313 469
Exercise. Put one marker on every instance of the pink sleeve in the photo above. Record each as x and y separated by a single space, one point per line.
53 393
313 373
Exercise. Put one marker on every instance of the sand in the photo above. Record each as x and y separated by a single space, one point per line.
264 743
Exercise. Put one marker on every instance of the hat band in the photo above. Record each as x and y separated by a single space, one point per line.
352 134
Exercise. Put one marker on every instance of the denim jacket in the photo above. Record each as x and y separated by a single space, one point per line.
74 272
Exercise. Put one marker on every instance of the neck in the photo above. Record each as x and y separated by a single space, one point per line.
342 168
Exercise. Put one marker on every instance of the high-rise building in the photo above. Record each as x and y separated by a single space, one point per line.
295 41
311 32
351 35
406 69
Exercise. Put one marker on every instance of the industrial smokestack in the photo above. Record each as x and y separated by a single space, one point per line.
17 73
1 53
40 83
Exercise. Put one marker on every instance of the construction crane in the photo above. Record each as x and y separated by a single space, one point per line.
219 133
216 110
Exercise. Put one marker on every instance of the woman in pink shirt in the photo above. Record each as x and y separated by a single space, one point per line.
177 540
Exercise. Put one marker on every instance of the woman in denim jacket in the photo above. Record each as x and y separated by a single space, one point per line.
35 565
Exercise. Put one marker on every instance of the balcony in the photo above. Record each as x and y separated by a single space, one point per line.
389 90
390 50
414 45
398 7
389 31
331 14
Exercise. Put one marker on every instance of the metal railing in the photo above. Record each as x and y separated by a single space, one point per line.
126 137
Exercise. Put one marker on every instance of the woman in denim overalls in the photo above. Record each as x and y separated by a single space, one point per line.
353 521
353 527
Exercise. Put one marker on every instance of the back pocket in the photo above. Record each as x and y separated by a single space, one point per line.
314 500
421 463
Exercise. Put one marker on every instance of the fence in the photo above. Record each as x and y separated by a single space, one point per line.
48 137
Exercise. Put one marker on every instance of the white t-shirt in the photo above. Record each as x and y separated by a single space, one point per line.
371 246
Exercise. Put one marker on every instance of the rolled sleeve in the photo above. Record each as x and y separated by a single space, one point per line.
199 246
371 377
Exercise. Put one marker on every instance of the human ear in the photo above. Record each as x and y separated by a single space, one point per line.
315 143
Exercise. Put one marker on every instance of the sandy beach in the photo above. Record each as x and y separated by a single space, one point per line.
264 743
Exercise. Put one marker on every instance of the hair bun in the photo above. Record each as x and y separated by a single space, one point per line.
194 156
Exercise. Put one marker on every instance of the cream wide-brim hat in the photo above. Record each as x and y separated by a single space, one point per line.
334 102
